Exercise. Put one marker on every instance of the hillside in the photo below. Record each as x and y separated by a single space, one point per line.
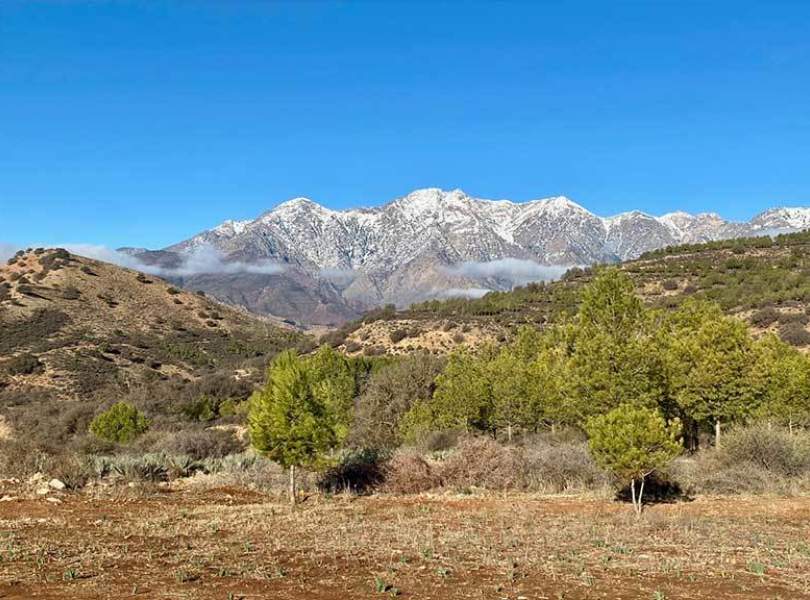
764 280
72 328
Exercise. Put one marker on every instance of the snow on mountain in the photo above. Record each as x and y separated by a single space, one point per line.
399 252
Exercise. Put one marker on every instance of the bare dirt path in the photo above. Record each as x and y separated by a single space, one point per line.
229 543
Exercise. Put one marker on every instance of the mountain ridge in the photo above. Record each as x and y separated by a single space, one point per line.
407 250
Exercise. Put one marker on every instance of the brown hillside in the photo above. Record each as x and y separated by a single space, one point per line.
73 326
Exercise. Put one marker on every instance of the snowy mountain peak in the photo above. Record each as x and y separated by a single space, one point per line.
786 217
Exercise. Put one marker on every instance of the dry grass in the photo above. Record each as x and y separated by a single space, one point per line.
231 543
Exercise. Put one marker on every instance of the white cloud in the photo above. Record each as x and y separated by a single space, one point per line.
204 259
517 271
464 293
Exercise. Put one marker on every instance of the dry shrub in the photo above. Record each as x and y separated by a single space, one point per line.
752 460
563 467
409 473
358 471
200 444
484 463
772 449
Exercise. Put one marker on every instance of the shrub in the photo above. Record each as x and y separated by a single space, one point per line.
71 293
794 334
398 335
772 449
409 473
562 467
358 472
765 317
201 444
120 423
23 364
670 285
352 346
484 463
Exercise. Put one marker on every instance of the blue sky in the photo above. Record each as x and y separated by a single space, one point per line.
141 123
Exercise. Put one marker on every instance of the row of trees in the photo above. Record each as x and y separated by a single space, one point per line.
692 366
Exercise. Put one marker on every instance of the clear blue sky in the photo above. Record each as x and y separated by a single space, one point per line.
142 122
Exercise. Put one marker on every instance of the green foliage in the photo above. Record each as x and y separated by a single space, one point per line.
710 359
632 441
121 423
299 416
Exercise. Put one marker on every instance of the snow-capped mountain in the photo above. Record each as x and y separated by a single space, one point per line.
411 248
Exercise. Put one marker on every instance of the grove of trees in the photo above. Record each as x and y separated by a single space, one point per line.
653 379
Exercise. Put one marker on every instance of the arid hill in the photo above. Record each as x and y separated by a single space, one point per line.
764 280
74 327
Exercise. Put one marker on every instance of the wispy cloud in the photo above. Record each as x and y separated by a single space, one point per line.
464 293
515 270
204 259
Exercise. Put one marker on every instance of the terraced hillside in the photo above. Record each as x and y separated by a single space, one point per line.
764 280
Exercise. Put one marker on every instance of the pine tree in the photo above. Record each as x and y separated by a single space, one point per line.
288 421
631 442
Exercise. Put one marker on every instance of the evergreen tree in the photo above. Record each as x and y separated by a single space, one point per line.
710 359
631 442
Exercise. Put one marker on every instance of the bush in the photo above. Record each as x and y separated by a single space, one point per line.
670 285
399 334
773 450
484 463
562 467
794 334
201 444
409 473
358 472
121 423
23 364
765 317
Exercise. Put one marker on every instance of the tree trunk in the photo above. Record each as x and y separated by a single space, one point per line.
717 433
292 485
640 495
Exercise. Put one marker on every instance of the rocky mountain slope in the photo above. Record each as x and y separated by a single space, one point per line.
72 327
331 265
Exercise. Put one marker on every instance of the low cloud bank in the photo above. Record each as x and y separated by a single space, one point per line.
202 260
515 270
464 293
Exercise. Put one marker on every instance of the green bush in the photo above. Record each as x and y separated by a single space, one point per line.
120 423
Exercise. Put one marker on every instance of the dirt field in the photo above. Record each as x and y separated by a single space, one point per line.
228 543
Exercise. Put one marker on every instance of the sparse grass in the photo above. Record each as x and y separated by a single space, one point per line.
207 542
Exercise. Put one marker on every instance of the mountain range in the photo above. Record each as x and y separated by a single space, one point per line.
316 266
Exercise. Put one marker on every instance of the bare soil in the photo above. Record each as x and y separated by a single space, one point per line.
230 543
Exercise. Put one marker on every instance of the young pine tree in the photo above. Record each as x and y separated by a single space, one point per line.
288 421
631 442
